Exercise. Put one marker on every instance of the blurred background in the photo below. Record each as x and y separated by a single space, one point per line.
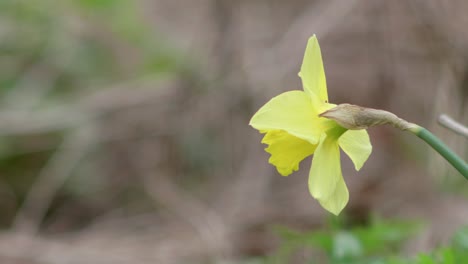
124 132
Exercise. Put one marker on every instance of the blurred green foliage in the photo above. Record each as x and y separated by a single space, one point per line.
378 243
53 53
79 42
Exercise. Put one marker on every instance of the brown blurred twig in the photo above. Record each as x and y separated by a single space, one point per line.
106 99
74 146
50 179
208 224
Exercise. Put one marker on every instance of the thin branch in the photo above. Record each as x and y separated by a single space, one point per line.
70 115
50 179
453 125
206 221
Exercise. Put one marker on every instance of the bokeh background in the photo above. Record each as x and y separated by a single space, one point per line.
124 132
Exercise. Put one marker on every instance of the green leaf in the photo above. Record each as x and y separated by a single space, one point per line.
460 239
346 245
448 256
425 259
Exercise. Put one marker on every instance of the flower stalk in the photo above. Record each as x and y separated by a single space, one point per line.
442 149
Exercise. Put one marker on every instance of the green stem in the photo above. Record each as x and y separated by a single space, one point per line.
443 150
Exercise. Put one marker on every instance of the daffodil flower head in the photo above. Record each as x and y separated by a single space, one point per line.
294 130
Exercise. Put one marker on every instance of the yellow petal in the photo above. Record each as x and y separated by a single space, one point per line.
292 112
326 169
338 200
286 151
312 72
356 144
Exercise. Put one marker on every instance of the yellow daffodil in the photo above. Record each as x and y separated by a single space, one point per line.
294 130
